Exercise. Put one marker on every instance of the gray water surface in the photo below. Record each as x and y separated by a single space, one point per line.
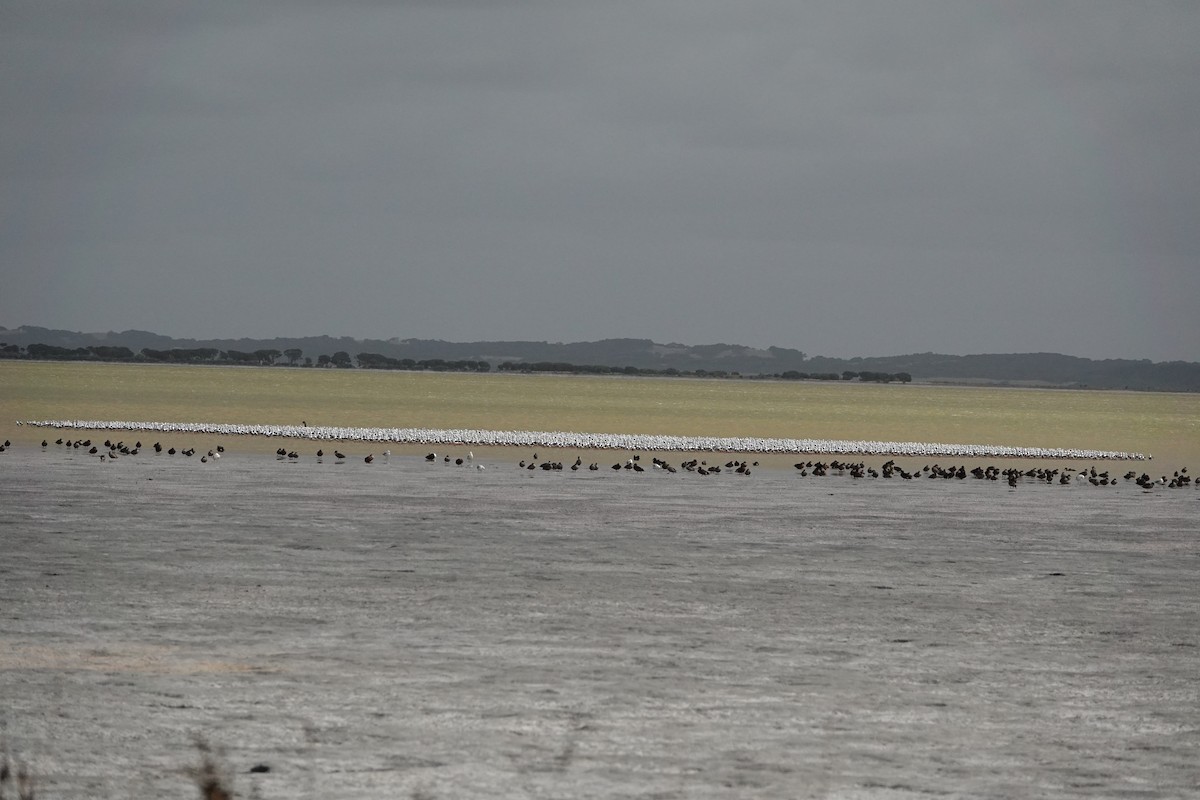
406 629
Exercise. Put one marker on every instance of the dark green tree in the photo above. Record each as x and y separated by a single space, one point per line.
267 357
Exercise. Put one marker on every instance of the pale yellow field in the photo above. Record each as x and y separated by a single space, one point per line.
1165 425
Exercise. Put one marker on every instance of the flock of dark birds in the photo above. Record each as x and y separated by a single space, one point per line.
859 470
1013 476
633 464
111 451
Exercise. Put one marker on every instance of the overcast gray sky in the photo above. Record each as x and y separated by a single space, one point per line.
845 178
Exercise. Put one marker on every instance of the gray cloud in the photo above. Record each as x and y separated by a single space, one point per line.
848 178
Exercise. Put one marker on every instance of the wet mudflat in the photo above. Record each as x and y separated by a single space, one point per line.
404 629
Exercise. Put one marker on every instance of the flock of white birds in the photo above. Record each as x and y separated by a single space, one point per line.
599 441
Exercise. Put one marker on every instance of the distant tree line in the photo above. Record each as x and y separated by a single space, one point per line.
877 377
528 367
210 355
293 357
793 375
178 355
377 361
717 360
847 375
670 372
790 375
269 357
49 352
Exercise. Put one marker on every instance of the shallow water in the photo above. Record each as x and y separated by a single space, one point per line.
406 629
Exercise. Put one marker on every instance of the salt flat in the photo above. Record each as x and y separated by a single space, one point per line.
407 629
